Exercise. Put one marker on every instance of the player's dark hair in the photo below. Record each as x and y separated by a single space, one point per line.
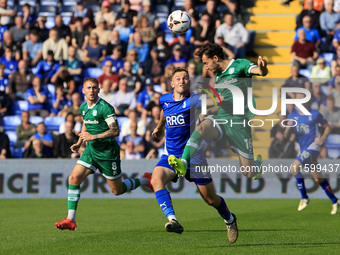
210 50
92 80
179 69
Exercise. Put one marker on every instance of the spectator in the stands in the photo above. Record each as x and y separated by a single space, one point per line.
123 28
64 141
25 130
85 13
46 138
74 65
133 118
328 21
304 52
205 31
213 13
107 14
3 79
227 51
141 47
103 32
152 17
145 96
336 37
11 64
281 147
195 79
75 106
71 118
162 47
6 13
5 104
38 149
20 82
187 47
55 44
335 78
147 111
64 31
153 67
311 34
134 82
124 100
130 151
152 141
63 79
19 32
132 57
177 58
131 15
138 141
116 59
28 17
32 48
106 91
234 34
336 60
4 145
332 114
147 32
311 12
296 80
60 103
41 26
9 43
94 53
321 72
166 79
108 75
80 36
37 99
336 94
47 68
318 97
115 41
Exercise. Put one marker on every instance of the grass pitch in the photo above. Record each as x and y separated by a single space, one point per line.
137 227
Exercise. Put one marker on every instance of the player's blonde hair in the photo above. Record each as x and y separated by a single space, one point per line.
92 80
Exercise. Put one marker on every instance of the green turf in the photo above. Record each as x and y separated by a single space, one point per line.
137 227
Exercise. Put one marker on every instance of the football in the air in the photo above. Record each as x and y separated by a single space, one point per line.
179 22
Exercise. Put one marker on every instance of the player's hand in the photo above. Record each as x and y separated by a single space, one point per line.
319 141
261 62
157 132
86 136
75 147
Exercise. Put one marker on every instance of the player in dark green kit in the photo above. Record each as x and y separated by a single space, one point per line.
99 130
230 72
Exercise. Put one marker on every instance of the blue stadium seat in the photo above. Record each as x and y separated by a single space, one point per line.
162 12
12 135
305 72
66 12
116 7
332 144
36 120
93 72
328 57
222 9
53 123
19 9
49 3
19 106
11 122
94 6
17 152
69 2
200 8
47 10
324 89
30 2
51 89
333 153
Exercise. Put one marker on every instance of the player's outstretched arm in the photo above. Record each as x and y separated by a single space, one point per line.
261 68
325 134
159 130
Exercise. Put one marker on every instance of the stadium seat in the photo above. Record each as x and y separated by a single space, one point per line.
36 120
12 135
17 152
47 11
332 144
164 1
49 3
116 7
69 2
94 6
93 72
200 8
19 9
10 3
328 57
19 106
333 153
51 89
11 122
305 72
222 9
30 2
162 12
66 12
324 89
53 123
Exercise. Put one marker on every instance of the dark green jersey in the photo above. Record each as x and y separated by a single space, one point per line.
237 74
94 120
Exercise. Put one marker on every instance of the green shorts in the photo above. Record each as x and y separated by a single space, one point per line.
238 135
110 169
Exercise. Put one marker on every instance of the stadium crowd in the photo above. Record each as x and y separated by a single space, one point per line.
48 47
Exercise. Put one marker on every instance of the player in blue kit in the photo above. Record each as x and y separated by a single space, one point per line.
176 118
309 139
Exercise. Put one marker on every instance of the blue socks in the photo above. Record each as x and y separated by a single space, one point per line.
301 185
164 201
329 192
223 210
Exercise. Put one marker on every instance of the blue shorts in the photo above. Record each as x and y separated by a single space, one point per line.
308 157
190 175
